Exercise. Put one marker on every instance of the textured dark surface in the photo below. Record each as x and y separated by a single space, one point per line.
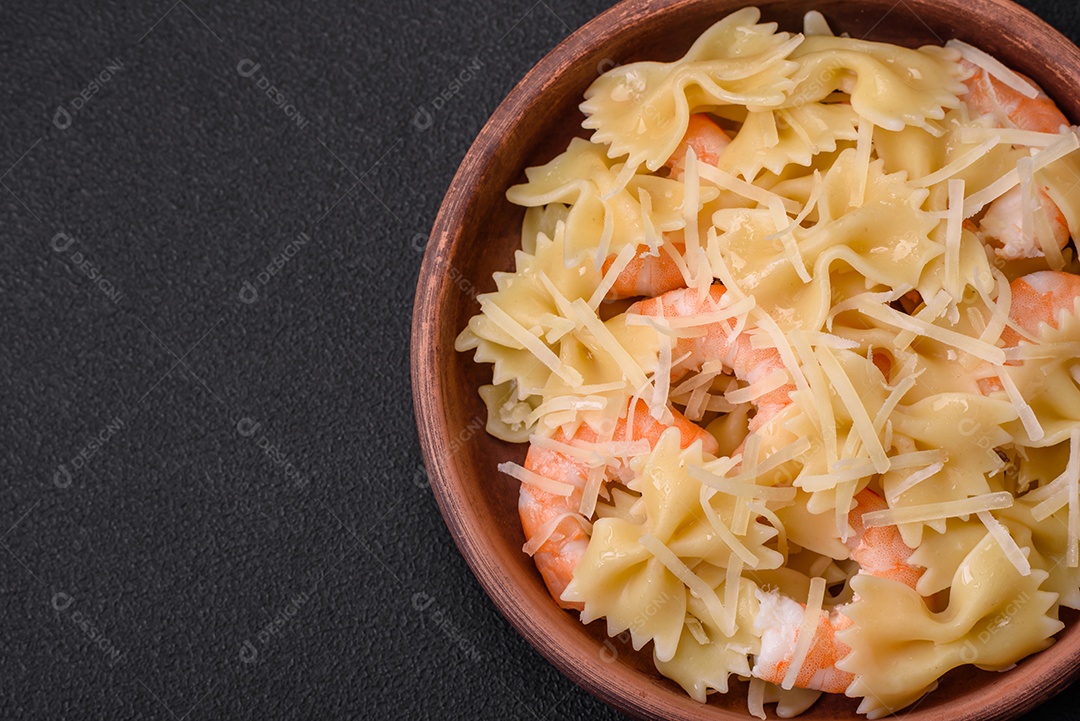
213 503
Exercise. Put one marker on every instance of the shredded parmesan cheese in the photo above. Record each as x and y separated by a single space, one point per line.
530 343
913 480
973 346
786 235
936 511
807 630
1023 409
964 161
1005 540
617 266
774 380
740 187
861 171
859 416
755 698
730 539
994 67
953 228
548 485
671 562
1072 470
544 533
977 201
1007 136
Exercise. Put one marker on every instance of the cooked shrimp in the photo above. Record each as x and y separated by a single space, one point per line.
1003 222
706 138
1037 298
559 555
1041 298
988 95
717 342
647 274
879 552
1003 225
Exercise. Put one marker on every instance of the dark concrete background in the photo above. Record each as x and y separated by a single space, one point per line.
213 502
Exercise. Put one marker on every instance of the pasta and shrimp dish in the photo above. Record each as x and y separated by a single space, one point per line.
794 342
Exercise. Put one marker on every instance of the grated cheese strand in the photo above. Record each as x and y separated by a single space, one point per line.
1023 409
661 376
861 171
731 596
1044 351
730 539
755 699
930 312
994 67
776 379
544 533
726 181
690 208
531 343
697 630
895 396
557 404
775 460
617 266
859 417
590 458
785 233
671 562
965 160
1008 136
742 489
914 479
918 459
591 493
605 236
953 230
840 473
1072 468
608 343
822 402
652 238
547 485
807 629
936 511
1008 544
959 341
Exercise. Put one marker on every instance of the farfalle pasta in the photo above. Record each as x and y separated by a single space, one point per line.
794 341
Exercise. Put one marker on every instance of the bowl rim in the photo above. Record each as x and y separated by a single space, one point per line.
1037 677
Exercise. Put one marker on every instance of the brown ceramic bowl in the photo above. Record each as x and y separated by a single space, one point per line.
476 233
